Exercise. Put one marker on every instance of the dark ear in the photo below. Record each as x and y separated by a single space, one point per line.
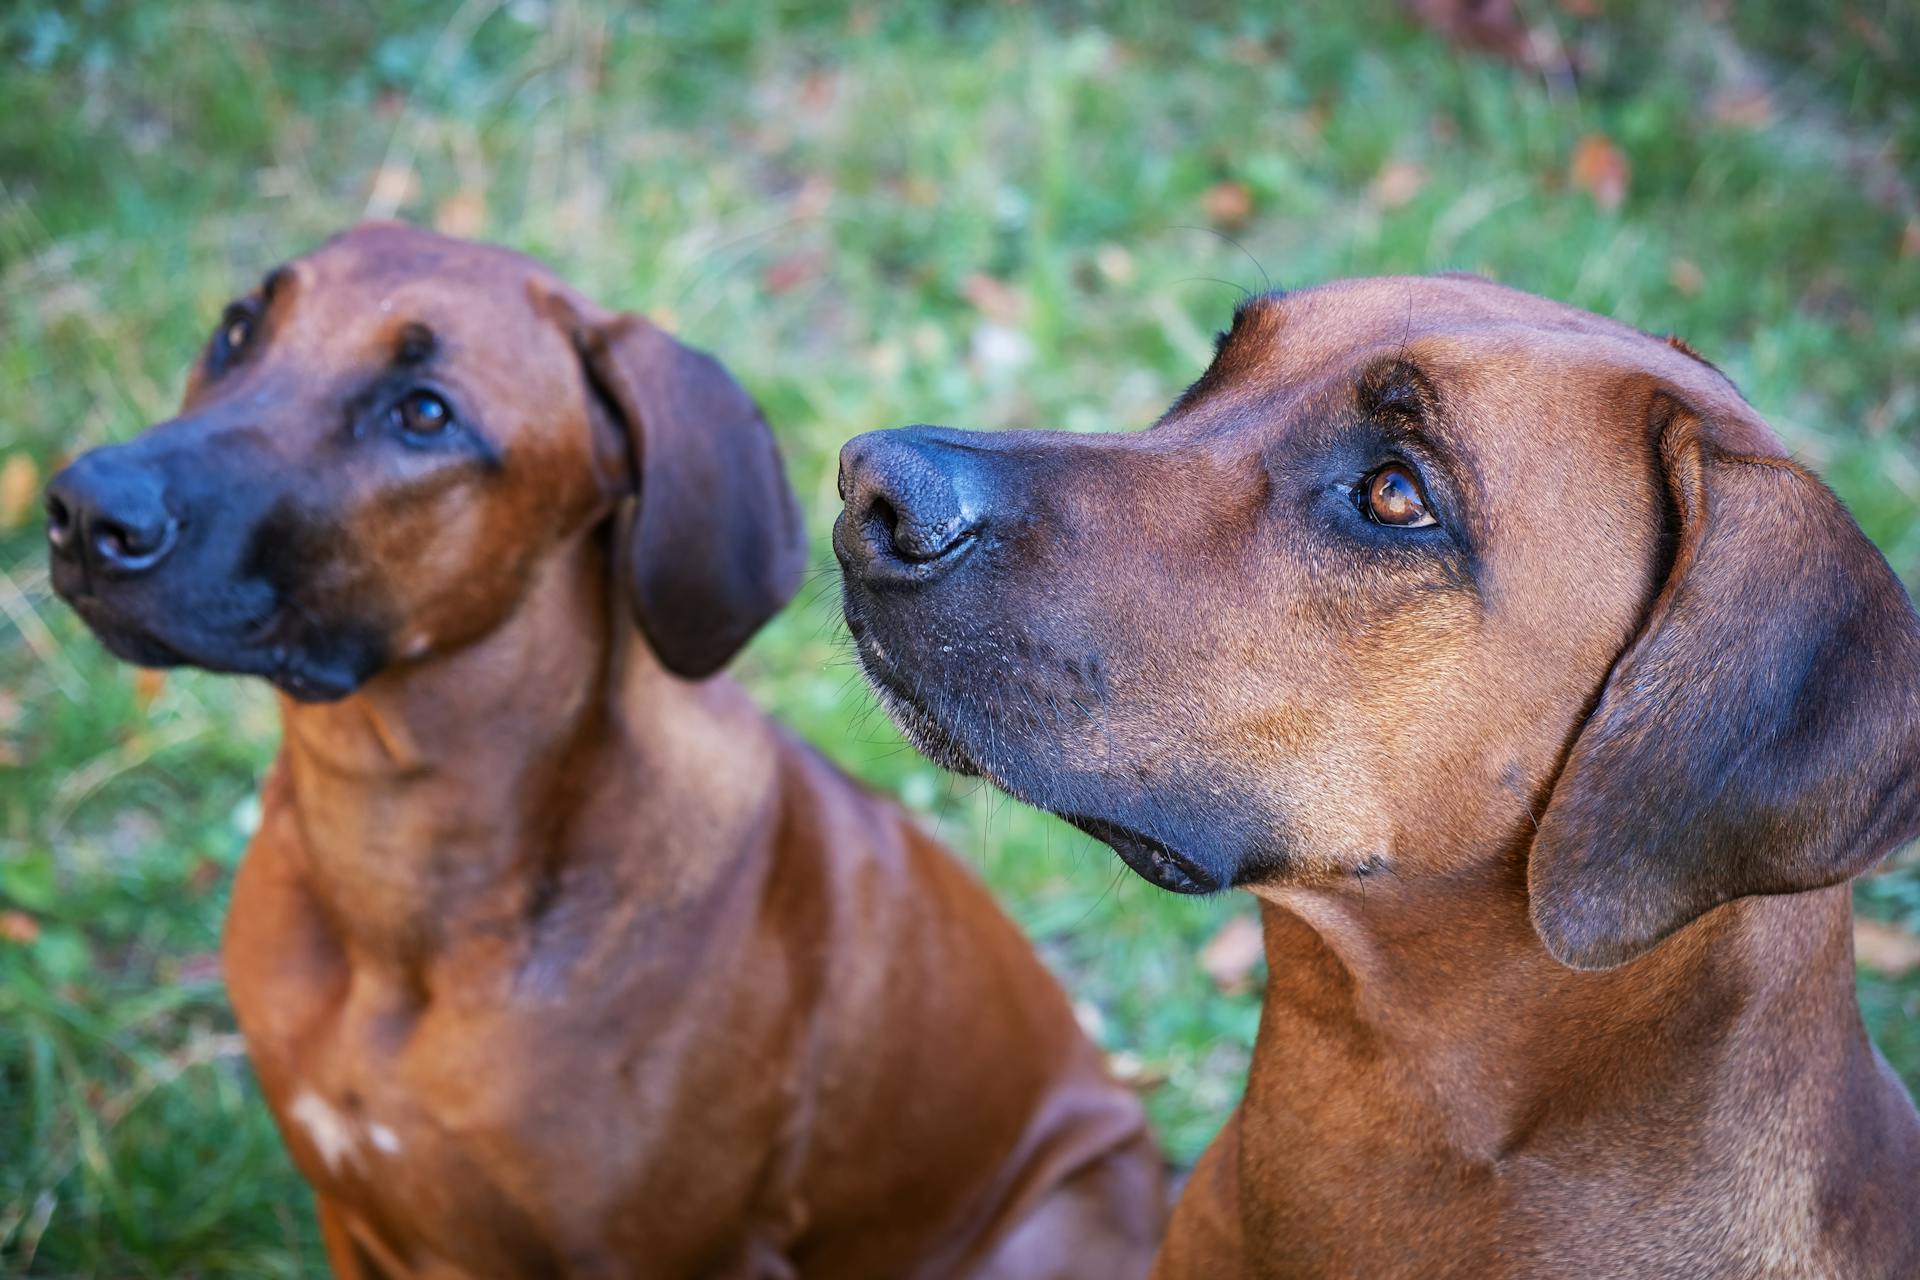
1760 735
718 544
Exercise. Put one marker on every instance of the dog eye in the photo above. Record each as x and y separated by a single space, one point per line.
1392 496
422 413
235 332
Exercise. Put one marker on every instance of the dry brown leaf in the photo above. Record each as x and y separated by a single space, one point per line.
1685 276
1488 26
203 966
1601 170
1885 948
463 214
812 197
995 299
147 684
206 873
19 486
1231 954
1115 263
1742 106
918 190
394 186
790 272
1131 1071
1228 204
1397 182
818 89
18 926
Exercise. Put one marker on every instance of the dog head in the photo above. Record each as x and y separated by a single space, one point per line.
381 443
1423 577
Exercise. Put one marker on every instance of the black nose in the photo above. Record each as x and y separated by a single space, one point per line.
915 502
110 515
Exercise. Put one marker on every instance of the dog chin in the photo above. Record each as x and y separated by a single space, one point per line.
303 672
922 732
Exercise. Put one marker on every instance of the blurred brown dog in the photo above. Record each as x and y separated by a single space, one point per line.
553 955
1547 707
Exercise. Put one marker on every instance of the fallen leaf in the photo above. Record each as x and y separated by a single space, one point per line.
1743 106
995 299
206 873
463 214
1874 35
1131 1071
18 926
1115 263
1231 954
918 190
1397 182
147 684
394 186
818 89
1247 51
812 197
203 966
1686 277
19 486
1229 204
1886 949
1601 170
1485 26
790 272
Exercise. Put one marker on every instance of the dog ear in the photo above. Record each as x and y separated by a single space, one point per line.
718 544
1762 732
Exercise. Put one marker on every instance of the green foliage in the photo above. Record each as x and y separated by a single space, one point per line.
813 193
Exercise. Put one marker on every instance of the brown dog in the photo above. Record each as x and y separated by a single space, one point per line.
1548 709
555 957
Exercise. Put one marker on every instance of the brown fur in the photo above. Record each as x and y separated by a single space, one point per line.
1550 807
551 960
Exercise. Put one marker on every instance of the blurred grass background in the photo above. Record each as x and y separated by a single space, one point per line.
982 214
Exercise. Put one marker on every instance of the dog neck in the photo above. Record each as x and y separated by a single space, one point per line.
461 797
1442 1006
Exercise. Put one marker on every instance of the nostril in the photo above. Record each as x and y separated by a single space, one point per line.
129 547
883 521
916 541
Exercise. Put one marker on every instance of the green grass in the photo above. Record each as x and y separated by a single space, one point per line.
810 193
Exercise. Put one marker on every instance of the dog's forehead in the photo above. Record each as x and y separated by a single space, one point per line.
367 284
1475 339
1346 322
377 252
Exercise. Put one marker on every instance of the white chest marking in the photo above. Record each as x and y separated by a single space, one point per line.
331 1132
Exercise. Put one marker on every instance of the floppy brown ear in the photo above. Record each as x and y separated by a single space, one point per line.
1760 735
718 543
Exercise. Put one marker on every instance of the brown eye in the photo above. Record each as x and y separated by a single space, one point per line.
422 413
1393 497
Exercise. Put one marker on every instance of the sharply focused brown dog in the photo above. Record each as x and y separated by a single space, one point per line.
1546 706
555 957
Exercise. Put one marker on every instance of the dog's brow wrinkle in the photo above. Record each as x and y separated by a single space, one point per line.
416 345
